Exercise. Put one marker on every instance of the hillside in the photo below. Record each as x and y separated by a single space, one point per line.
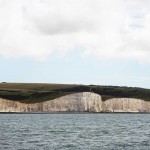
38 92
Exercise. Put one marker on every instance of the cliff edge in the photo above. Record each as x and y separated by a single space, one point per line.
78 102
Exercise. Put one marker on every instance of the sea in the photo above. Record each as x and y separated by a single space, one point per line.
86 131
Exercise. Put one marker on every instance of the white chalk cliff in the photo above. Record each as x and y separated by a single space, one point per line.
78 102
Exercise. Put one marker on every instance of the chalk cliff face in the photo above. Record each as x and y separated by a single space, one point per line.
80 102
125 105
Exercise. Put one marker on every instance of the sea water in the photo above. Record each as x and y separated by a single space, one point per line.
74 131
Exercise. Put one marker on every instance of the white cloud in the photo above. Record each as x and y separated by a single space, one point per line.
105 28
137 43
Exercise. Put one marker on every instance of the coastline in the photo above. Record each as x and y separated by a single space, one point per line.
74 112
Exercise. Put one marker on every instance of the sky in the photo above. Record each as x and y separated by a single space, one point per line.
101 42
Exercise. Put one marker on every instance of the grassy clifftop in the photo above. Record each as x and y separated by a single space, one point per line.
37 92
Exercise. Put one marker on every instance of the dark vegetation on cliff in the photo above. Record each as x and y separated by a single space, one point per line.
37 92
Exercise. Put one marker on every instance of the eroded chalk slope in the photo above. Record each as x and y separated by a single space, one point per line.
78 102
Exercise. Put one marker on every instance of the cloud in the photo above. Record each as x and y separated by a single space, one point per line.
137 43
104 29
63 17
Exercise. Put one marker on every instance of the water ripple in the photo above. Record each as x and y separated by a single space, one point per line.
74 131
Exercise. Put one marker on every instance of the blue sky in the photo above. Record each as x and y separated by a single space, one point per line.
75 41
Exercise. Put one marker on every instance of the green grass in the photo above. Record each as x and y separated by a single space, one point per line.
38 92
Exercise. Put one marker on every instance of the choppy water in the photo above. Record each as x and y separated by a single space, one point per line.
74 131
